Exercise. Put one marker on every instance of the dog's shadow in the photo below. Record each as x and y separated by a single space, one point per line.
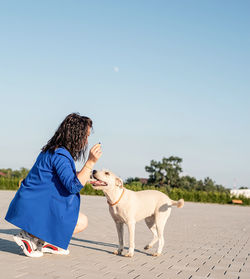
8 245
100 243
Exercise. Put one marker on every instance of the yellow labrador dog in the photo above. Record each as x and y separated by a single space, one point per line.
129 207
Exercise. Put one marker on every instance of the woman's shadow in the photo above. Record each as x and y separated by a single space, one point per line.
8 245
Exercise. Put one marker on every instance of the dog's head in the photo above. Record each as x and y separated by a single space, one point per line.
105 179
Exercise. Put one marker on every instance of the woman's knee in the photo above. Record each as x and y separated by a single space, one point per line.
82 223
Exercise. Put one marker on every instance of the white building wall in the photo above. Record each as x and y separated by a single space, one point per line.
244 192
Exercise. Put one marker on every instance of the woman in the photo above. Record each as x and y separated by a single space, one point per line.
46 206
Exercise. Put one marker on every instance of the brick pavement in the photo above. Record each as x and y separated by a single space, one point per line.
201 241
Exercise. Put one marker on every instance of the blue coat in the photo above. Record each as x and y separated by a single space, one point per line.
48 201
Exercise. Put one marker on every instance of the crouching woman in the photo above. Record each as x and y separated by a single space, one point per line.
46 206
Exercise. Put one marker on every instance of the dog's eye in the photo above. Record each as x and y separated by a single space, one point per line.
106 173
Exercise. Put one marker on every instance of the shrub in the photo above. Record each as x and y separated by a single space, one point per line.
9 183
89 190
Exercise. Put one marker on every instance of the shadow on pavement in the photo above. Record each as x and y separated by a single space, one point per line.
102 244
10 247
10 231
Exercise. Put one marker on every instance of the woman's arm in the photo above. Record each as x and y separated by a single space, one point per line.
94 154
66 174
74 183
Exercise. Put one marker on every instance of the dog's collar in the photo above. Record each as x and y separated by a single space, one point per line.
112 204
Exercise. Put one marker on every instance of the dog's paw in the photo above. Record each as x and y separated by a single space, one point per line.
118 252
156 254
147 247
129 255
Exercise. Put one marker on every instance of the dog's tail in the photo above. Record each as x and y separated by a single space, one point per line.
179 203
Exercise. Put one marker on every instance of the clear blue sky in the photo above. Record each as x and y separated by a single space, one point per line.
158 78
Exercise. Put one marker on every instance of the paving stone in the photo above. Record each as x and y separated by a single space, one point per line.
201 241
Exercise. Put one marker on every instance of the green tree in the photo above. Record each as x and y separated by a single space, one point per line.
188 183
23 172
208 184
156 173
165 172
131 179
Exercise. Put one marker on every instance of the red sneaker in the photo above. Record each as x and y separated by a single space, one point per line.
28 244
45 247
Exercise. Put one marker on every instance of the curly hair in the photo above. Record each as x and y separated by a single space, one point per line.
71 134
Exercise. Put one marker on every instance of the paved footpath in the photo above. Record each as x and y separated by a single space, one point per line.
201 241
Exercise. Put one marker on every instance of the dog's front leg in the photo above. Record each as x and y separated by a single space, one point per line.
119 227
131 230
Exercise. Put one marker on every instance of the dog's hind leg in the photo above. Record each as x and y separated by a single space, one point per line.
119 227
160 220
150 222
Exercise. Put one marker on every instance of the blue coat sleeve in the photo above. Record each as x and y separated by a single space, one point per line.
66 174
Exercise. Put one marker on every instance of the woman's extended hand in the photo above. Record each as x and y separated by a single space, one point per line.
95 153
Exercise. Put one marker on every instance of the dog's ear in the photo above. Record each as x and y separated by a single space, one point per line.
118 182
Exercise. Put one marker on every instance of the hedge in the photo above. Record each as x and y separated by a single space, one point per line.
176 194
173 193
9 183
